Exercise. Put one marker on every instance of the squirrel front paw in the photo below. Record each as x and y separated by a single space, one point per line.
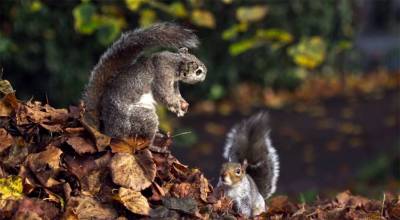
179 109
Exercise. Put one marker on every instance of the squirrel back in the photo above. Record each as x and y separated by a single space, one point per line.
126 50
249 142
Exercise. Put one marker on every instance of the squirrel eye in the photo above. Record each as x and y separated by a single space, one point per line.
238 171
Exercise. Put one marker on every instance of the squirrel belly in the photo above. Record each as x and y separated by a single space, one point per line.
251 173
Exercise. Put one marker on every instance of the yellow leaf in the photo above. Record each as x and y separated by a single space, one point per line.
232 32
36 6
251 14
147 17
242 46
133 5
178 9
11 187
203 18
274 34
309 52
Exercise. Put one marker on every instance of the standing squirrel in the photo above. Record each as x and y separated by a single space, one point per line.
125 85
251 173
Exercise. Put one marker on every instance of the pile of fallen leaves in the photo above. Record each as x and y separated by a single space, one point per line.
54 164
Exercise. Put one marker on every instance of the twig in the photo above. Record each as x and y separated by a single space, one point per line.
183 133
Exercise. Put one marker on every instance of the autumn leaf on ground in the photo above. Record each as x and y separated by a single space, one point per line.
127 171
6 140
11 187
5 87
8 105
134 201
85 207
32 208
81 145
45 165
128 145
101 140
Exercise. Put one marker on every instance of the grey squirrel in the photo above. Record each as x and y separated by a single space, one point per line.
251 173
125 86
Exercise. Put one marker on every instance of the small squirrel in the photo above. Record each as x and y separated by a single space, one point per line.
251 173
125 85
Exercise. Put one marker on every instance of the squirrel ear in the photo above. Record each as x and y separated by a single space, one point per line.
244 164
183 50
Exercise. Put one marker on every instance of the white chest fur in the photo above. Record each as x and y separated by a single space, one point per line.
146 101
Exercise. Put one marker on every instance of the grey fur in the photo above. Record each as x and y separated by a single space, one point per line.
123 84
249 140
245 195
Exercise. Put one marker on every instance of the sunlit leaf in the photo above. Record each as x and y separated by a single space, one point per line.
203 18
233 31
11 187
133 5
84 18
216 91
147 17
309 52
227 1
251 14
109 29
242 46
36 6
178 9
274 34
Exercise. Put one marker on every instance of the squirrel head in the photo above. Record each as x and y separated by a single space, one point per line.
191 69
233 173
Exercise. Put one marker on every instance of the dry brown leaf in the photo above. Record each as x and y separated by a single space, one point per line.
6 140
181 190
101 140
157 192
204 188
127 171
52 128
91 173
31 208
128 145
81 145
85 207
347 199
8 104
45 165
281 204
134 201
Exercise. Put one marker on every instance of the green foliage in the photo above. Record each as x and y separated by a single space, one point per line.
55 45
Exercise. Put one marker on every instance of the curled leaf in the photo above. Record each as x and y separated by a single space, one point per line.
134 201
45 165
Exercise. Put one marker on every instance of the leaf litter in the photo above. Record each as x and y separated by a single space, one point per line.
55 164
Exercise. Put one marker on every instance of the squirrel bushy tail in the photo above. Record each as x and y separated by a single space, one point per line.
249 140
128 48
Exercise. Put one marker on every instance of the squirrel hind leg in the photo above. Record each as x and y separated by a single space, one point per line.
115 122
143 123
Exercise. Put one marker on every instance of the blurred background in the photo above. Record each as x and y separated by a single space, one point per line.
328 72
